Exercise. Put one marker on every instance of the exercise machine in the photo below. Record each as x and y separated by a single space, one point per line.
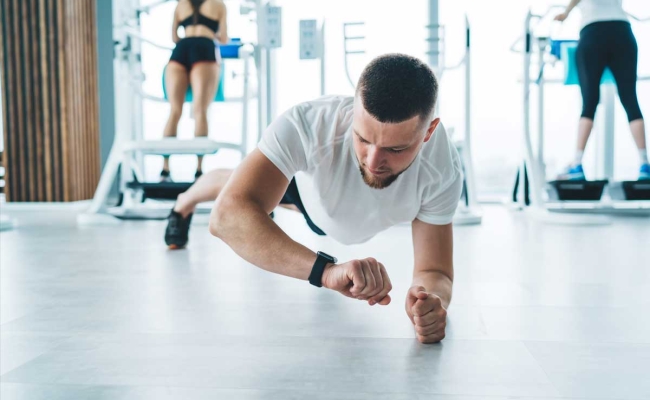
468 212
531 190
312 45
125 161
353 39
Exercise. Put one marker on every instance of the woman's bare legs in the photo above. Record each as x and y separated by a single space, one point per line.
204 79
176 82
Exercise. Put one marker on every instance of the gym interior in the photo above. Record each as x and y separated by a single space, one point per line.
134 264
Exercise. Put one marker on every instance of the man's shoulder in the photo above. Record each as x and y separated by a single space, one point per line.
441 141
322 114
332 103
439 156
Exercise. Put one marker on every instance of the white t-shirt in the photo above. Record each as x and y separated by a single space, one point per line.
601 10
313 141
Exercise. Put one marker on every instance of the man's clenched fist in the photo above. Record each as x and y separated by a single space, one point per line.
427 314
361 279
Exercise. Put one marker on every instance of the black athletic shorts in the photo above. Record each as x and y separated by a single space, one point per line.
192 50
291 196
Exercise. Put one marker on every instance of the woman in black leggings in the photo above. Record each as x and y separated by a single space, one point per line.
606 41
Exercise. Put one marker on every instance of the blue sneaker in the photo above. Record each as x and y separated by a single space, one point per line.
644 172
572 173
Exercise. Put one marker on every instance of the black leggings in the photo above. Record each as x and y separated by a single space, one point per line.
292 196
608 44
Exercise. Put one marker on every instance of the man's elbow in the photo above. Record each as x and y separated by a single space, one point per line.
220 218
214 226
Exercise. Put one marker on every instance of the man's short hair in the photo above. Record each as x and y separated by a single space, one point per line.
397 87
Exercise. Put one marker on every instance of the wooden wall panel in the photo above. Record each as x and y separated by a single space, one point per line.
7 76
48 67
37 99
55 97
46 104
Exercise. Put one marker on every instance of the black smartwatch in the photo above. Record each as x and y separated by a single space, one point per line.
316 276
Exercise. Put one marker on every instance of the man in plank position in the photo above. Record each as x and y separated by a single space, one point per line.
353 166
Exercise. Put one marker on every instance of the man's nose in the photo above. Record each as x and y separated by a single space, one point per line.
374 158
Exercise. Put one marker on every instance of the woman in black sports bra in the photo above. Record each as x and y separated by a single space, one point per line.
195 62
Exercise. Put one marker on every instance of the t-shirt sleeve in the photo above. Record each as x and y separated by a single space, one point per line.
286 142
439 207
440 198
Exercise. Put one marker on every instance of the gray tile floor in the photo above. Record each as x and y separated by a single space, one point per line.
543 312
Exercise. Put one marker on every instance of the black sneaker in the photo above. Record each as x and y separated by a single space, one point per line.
176 234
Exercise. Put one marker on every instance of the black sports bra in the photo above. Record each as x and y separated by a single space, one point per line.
201 20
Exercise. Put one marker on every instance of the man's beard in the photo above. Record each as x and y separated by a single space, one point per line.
375 182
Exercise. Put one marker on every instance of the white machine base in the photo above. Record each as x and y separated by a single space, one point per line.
196 146
140 212
547 217
631 208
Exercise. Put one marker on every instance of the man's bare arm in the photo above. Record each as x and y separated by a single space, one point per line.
433 251
240 217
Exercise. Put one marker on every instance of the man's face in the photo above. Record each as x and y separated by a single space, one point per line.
385 150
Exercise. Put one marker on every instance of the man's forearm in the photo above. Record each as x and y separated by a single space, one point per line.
253 235
436 283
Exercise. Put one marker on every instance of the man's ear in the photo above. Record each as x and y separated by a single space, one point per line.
432 127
